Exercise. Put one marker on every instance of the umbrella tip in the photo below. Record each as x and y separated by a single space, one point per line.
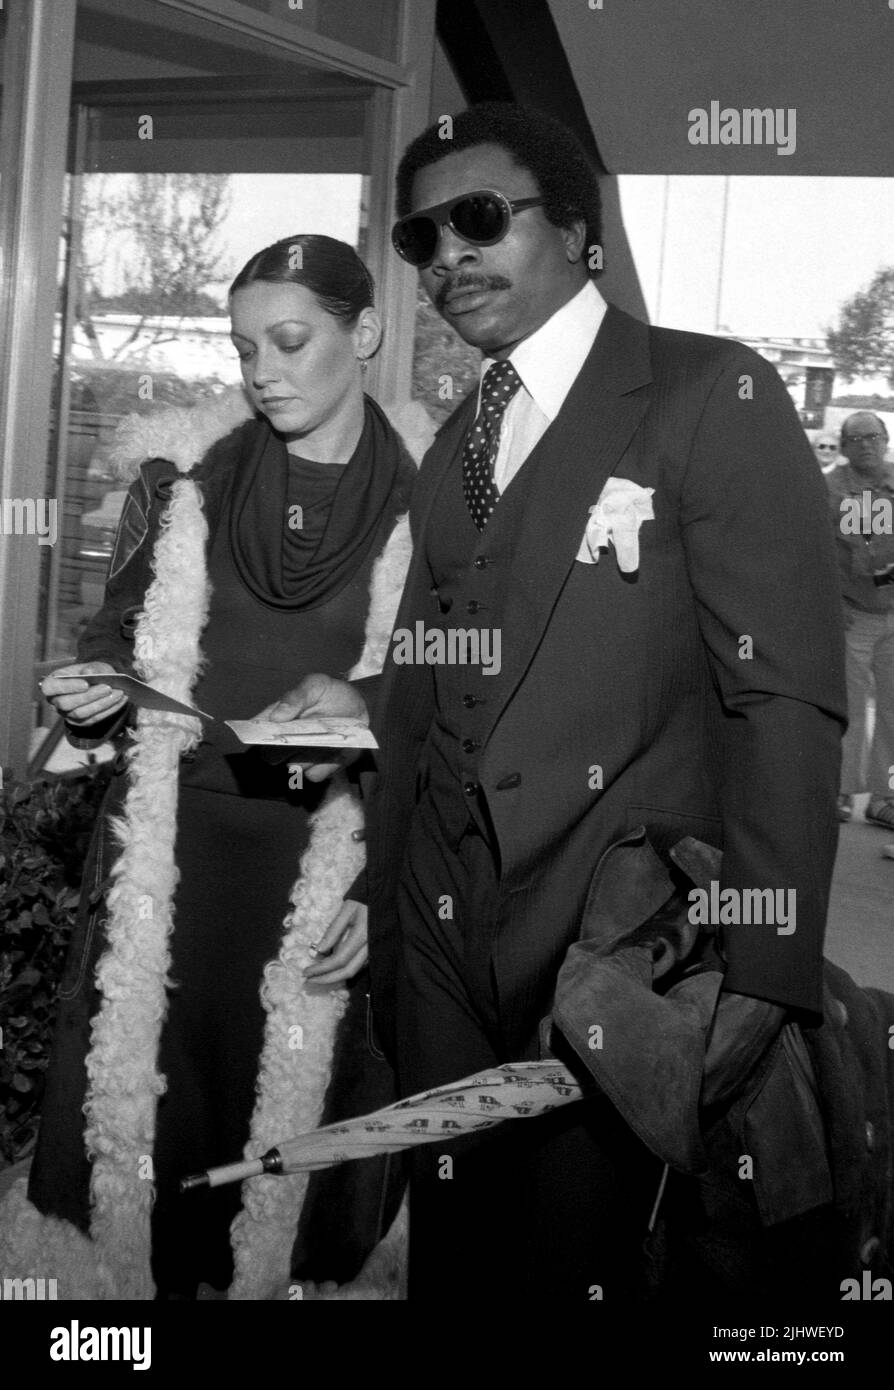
194 1180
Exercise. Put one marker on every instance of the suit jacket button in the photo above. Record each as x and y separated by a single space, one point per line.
470 788
481 562
469 701
507 784
471 745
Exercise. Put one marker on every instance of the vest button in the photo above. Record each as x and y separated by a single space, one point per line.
470 788
481 562
469 701
471 745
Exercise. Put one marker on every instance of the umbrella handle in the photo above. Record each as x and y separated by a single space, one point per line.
270 1162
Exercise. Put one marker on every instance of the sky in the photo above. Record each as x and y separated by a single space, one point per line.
263 208
796 249
266 207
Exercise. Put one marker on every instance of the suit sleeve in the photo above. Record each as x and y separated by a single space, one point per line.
763 569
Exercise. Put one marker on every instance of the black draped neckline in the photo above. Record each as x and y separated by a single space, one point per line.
259 516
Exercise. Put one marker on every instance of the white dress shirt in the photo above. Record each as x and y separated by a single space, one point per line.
547 364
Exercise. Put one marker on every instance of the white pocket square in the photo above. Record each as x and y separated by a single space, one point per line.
616 517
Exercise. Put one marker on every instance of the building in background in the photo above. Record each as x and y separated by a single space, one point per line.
256 118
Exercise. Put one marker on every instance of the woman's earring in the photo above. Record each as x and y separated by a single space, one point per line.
364 363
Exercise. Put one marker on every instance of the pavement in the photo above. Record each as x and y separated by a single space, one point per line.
860 932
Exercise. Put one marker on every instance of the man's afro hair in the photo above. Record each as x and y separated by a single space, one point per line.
535 140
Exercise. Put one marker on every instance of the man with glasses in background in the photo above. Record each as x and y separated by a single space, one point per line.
825 446
861 495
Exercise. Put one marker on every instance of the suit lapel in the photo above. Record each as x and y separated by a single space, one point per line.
571 464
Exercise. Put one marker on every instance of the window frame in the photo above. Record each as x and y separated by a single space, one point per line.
37 101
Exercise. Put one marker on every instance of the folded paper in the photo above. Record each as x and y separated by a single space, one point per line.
329 732
142 695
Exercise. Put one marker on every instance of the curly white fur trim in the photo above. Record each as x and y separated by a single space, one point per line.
123 1079
292 1079
382 1278
124 1082
297 1055
183 434
34 1246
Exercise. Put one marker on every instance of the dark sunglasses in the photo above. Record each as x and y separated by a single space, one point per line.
482 218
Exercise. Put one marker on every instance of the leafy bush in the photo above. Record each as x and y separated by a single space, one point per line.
115 389
45 829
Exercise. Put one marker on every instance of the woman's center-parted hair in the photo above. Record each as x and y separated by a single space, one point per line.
330 269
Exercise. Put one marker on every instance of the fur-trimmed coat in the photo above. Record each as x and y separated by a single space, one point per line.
123 1080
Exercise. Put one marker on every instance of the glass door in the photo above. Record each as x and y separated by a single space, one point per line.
168 194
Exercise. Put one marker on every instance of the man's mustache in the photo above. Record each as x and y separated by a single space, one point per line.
469 282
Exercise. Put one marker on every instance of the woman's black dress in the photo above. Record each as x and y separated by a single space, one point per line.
287 600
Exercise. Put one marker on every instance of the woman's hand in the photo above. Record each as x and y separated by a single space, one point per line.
322 696
343 947
80 703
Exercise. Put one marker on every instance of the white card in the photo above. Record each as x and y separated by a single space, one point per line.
304 733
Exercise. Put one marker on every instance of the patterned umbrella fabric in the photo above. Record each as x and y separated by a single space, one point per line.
516 1090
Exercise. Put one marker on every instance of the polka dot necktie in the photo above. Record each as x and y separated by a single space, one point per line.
501 381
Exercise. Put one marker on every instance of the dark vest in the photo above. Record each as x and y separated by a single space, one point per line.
470 570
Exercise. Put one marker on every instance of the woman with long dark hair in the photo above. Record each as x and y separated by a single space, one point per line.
193 1021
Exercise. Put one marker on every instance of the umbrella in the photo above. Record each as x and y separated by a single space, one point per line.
514 1091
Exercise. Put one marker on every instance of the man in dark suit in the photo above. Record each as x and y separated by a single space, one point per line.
673 659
